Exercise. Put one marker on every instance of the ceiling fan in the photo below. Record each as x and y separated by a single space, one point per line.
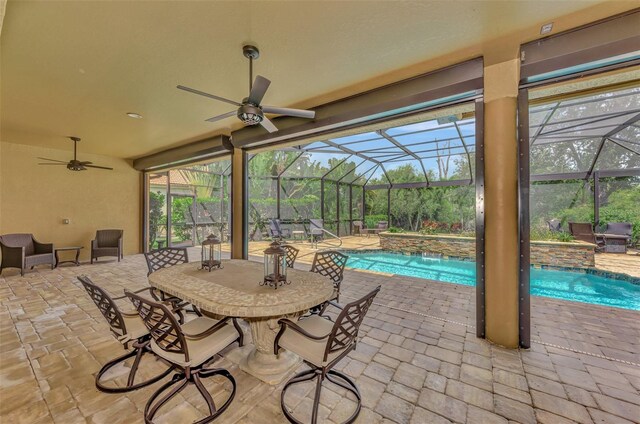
250 111
74 164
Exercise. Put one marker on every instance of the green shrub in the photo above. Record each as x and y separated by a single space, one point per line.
371 221
156 217
396 230
545 234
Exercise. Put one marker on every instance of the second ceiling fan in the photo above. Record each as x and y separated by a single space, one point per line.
250 111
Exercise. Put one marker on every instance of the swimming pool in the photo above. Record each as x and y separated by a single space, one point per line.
567 285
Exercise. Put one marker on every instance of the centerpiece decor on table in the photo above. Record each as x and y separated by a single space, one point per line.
211 256
275 266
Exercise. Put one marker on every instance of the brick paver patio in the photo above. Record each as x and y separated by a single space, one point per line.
418 360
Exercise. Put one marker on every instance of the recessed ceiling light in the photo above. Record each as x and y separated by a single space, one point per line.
546 28
134 115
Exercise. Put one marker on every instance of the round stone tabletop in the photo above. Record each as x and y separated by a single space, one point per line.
234 290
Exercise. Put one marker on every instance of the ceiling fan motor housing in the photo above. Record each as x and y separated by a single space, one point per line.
250 114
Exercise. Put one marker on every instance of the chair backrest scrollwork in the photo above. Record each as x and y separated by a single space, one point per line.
106 305
161 323
292 254
346 326
330 263
165 258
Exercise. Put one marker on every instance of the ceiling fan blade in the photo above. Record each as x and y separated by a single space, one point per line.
211 96
299 113
219 117
86 162
52 160
268 125
48 163
99 167
260 86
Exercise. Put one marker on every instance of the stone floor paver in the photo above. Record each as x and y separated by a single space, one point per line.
418 360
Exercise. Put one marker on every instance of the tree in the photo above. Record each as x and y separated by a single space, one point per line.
156 217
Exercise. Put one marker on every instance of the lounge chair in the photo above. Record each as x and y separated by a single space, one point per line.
276 230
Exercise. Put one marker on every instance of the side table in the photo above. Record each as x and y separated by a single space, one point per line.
67 249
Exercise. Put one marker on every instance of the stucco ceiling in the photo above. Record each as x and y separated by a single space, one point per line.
77 67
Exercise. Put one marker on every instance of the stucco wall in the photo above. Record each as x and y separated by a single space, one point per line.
577 254
35 199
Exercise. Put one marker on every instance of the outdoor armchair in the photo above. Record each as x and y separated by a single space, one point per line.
107 243
621 229
190 348
583 231
321 344
23 251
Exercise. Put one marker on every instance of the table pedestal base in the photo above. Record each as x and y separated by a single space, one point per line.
259 360
270 368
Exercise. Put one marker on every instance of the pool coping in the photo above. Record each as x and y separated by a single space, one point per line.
618 276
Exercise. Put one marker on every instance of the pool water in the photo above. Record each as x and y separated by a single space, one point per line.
575 286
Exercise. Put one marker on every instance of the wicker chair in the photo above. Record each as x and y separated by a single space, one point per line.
23 251
330 263
292 254
127 327
322 344
107 243
621 229
189 348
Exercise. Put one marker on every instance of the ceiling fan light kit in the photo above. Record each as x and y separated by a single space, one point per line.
251 111
74 164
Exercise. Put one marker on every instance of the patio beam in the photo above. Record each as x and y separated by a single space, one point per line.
453 84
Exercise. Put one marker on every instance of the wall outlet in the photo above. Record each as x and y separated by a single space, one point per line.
66 221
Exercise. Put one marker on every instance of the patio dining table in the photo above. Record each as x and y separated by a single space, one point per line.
234 291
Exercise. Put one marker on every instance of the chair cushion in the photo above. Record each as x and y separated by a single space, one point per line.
135 327
203 349
310 350
41 258
105 251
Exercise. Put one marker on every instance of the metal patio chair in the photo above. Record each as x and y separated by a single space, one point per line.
358 228
322 344
292 254
107 243
190 348
128 328
330 263
164 258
